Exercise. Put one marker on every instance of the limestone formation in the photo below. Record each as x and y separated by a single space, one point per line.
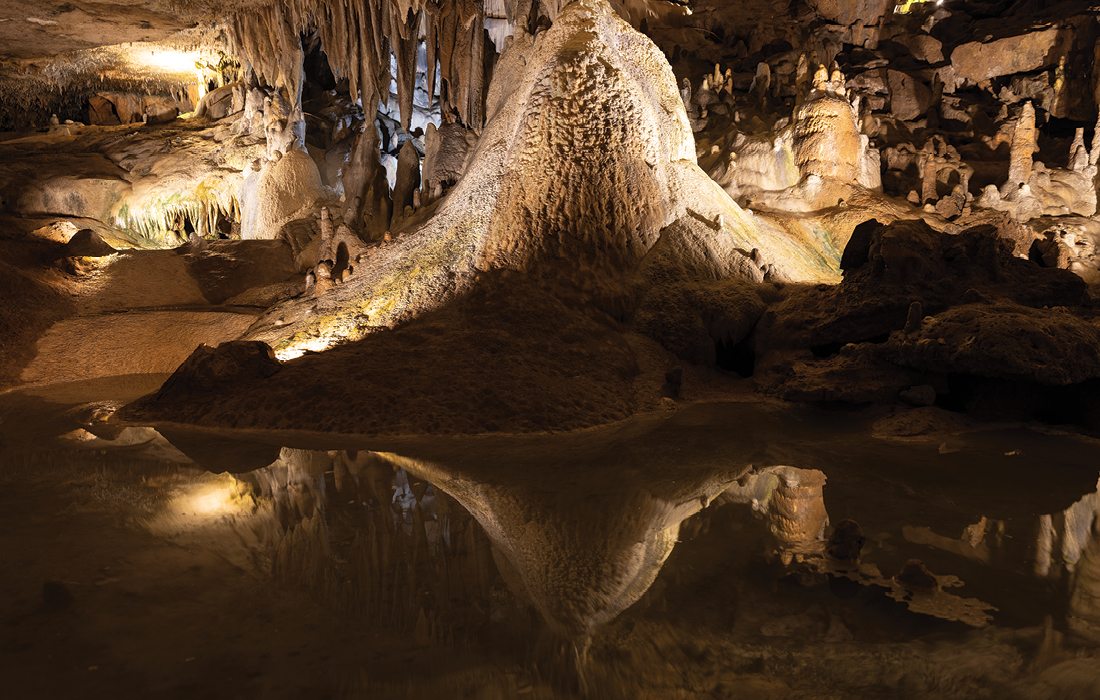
630 179
814 161
280 191
408 180
1021 149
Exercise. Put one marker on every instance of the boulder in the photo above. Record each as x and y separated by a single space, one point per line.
218 103
870 82
923 47
160 109
87 243
1004 341
101 111
127 105
848 12
209 369
909 98
887 269
976 61
279 192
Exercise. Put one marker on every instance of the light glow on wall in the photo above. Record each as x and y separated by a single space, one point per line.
209 501
166 60
154 59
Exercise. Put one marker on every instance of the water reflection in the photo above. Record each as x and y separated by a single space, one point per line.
376 541
759 533
421 541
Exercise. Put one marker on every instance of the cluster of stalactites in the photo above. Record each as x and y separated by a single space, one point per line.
164 223
359 39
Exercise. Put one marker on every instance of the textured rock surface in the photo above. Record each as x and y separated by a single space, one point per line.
905 262
553 192
977 60
278 193
139 342
1004 341
909 98
88 243
575 175
210 368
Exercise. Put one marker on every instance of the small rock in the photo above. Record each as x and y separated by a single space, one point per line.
87 243
915 576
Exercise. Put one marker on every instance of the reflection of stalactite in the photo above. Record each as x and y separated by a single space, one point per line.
1084 602
374 545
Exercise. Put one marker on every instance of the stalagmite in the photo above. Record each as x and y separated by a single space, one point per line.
762 82
1022 148
686 95
408 179
1094 147
1078 154
446 151
326 235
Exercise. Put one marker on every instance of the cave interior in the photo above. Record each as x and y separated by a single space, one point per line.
550 349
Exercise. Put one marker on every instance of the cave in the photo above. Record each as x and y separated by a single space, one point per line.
550 349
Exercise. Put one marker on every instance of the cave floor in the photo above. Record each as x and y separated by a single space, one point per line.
463 567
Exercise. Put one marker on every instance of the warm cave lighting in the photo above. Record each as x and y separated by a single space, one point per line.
166 60
155 59
213 501
908 6
556 349
209 501
296 350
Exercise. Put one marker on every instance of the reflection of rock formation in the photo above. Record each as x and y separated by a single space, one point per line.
582 522
1047 547
581 554
1084 600
1064 537
792 502
1062 547
393 536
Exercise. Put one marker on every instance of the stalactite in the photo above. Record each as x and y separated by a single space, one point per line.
359 40
162 221
405 42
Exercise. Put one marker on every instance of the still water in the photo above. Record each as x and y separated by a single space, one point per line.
721 550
